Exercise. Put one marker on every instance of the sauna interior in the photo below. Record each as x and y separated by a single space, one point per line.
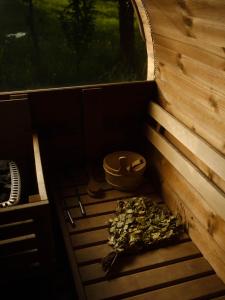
175 119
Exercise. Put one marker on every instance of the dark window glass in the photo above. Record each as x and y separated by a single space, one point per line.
47 43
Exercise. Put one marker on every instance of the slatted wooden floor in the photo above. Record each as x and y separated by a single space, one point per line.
175 272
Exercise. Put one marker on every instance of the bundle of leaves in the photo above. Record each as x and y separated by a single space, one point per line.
140 223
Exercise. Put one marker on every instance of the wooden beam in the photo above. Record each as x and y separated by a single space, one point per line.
213 196
194 143
39 170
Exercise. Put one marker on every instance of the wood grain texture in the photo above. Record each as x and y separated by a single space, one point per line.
145 272
213 197
39 170
188 113
212 223
189 139
147 279
212 252
198 288
142 261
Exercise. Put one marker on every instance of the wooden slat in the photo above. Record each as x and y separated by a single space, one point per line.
95 209
102 208
21 258
89 238
96 253
168 28
194 143
196 161
108 194
212 223
90 223
66 237
187 112
203 287
148 38
142 261
210 99
177 25
16 229
193 51
17 244
92 254
203 240
22 212
205 9
39 170
148 279
212 195
202 73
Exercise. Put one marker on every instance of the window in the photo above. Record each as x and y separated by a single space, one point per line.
48 43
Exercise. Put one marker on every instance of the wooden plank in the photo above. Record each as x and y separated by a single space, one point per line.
205 9
82 189
91 223
195 27
188 113
93 122
145 189
193 68
66 237
101 208
21 258
203 240
150 279
39 170
17 244
108 194
96 253
92 254
196 161
143 260
194 143
16 229
85 239
22 212
210 221
212 195
95 209
168 28
202 287
148 38
210 99
16 134
195 52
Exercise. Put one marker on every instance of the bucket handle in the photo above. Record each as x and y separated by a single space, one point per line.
123 164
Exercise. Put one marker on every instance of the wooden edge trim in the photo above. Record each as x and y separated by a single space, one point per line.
39 170
70 252
140 24
194 143
145 24
213 196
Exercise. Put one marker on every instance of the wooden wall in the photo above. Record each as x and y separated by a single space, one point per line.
189 52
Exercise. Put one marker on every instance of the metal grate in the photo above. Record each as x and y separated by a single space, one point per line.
15 186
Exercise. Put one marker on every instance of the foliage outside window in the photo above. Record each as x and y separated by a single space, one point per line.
47 43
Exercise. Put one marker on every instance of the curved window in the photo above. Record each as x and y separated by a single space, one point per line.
47 43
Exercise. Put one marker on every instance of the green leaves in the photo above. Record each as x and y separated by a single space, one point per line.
142 222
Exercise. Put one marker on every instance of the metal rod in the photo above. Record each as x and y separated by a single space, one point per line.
83 212
82 209
70 217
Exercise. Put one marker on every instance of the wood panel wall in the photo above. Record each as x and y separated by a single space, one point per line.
189 51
